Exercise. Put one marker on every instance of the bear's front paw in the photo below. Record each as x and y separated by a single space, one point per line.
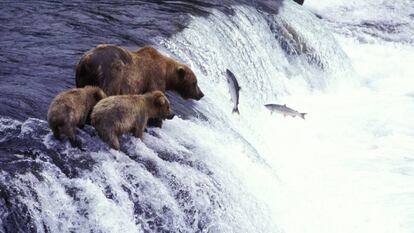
154 122
76 143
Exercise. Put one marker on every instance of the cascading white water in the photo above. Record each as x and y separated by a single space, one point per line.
346 168
340 170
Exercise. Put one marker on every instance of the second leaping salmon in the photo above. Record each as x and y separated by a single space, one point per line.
284 110
234 90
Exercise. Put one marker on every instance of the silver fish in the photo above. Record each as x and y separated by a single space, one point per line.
234 90
284 110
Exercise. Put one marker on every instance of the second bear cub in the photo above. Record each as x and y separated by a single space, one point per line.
121 114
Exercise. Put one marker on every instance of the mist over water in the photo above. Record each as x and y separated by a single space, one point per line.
347 168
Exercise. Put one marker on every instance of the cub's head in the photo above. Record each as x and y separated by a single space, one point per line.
162 106
186 84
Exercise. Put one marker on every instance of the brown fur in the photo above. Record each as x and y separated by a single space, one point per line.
121 114
70 109
119 71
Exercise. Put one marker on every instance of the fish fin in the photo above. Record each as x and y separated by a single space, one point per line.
303 115
236 110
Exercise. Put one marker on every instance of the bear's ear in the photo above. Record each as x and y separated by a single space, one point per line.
99 95
181 72
159 101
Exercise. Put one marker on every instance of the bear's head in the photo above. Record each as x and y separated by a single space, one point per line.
162 105
186 84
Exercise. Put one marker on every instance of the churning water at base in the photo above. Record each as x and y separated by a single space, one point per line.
347 168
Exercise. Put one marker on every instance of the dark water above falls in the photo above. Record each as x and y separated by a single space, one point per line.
196 174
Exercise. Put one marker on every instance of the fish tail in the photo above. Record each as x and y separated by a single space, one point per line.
236 110
303 115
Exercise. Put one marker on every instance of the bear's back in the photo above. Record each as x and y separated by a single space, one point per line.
105 55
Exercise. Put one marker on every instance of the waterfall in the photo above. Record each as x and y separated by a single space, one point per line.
209 170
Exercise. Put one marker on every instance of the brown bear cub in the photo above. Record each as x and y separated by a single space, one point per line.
119 71
121 114
70 109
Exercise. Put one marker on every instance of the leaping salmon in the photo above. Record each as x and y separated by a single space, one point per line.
234 90
284 110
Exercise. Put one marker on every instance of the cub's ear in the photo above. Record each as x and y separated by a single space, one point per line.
181 72
99 95
159 101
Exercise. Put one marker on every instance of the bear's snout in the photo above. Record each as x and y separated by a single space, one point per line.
200 95
171 115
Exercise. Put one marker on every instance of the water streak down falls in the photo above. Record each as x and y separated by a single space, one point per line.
209 170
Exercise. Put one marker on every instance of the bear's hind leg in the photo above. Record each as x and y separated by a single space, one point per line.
70 132
113 142
110 138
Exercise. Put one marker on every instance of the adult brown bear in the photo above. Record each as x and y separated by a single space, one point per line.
119 71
